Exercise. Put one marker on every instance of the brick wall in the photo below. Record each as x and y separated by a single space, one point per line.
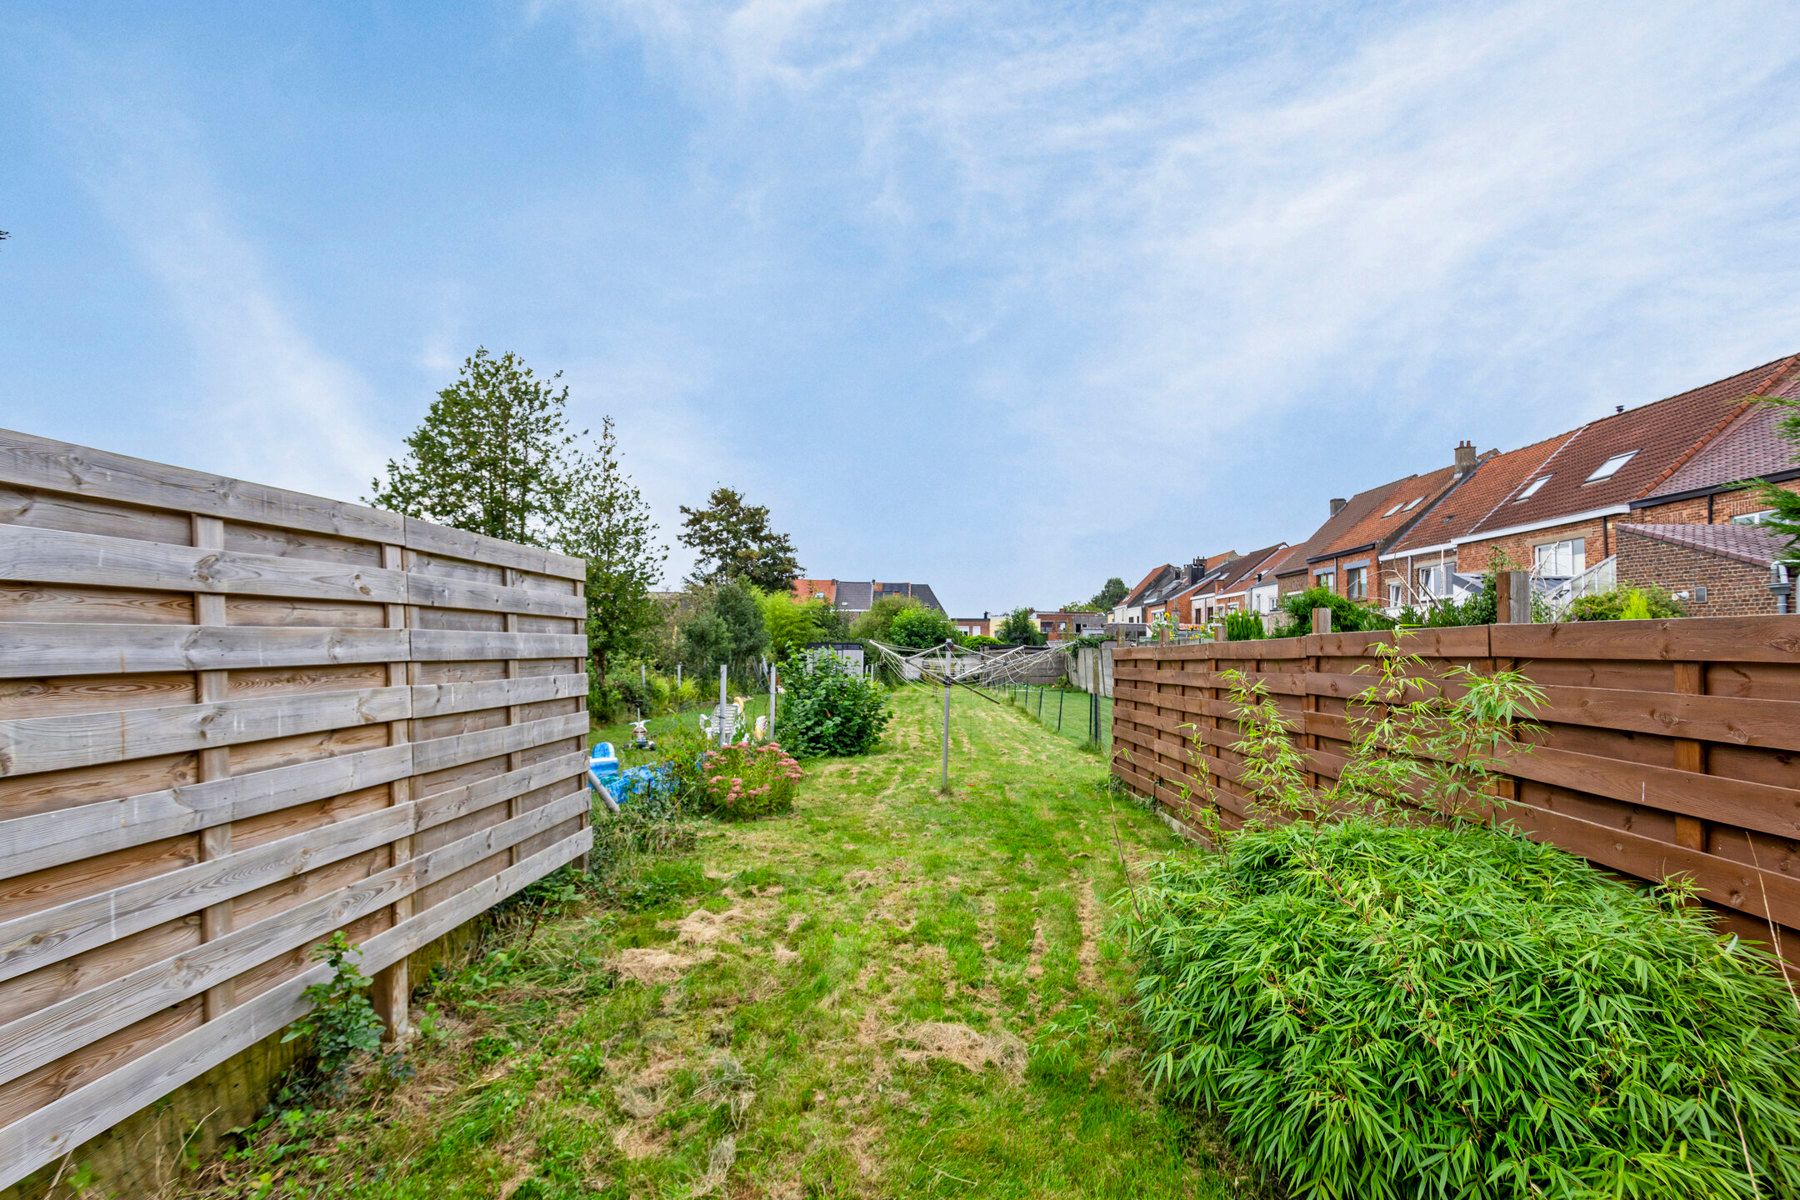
1733 588
1520 549
1706 510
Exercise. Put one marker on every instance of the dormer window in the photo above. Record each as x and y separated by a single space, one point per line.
1531 489
1610 467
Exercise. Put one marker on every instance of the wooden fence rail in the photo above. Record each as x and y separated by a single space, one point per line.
1664 748
234 719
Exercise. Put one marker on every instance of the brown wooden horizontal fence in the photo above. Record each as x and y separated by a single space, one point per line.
1664 747
234 719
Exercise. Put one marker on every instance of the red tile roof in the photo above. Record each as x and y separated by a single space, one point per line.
1662 437
1398 507
1354 510
1751 448
1460 509
1745 543
1237 577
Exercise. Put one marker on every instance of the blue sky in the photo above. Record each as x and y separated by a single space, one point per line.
1006 297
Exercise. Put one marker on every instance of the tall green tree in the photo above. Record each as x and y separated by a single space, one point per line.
604 519
1018 629
1110 593
1786 520
727 627
734 540
791 623
489 455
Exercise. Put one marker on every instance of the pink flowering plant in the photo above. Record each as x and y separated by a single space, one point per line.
747 782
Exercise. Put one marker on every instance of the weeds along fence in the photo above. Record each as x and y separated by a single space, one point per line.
234 719
1664 748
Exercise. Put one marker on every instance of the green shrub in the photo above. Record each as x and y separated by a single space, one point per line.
341 1024
1626 603
746 782
828 709
1347 616
982 641
1388 1010
1243 627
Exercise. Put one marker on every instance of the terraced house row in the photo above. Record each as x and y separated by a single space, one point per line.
1658 494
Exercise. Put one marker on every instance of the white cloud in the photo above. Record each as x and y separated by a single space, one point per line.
271 406
1229 211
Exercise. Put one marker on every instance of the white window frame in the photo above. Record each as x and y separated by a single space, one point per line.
1326 580
1434 580
1611 467
1565 552
1760 517
1532 488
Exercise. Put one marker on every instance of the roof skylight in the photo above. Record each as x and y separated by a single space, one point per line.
1390 512
1610 467
1414 503
1532 489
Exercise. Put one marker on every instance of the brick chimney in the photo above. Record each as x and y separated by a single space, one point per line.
1337 503
1465 457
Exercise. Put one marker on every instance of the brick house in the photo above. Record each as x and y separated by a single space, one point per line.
1721 570
1710 488
1343 554
1561 519
1421 566
1061 625
982 626
1229 591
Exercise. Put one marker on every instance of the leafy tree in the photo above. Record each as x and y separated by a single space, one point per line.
1786 520
919 628
791 623
489 456
1018 629
726 627
876 624
733 540
605 520
1110 593
1347 616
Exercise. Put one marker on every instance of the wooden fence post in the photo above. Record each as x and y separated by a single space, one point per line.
1690 755
1515 598
1309 701
210 687
392 991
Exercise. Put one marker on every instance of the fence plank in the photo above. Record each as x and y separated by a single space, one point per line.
38 462
441 699
29 650
50 935
54 556
43 840
455 645
31 744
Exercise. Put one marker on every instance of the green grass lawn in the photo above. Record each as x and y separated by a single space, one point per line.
890 992
1064 711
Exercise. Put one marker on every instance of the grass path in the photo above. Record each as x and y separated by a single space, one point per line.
889 993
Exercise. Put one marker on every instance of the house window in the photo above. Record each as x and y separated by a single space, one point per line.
1413 503
1435 581
1356 582
1562 559
1394 590
1326 580
1610 467
1390 512
1755 518
1531 489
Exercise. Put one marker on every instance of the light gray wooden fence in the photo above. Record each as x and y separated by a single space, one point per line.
232 720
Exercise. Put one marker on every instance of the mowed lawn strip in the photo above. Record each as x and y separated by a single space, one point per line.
888 993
